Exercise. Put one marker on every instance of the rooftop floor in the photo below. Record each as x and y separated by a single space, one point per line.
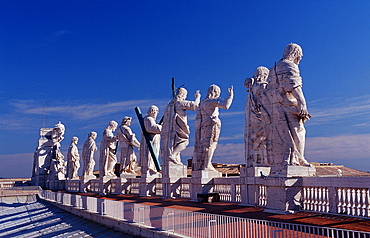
234 209
38 219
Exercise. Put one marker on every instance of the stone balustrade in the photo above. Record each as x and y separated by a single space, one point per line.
336 195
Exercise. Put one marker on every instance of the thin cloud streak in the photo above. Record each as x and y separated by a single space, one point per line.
79 112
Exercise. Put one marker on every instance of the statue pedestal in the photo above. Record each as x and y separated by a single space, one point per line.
290 171
105 184
124 185
202 182
85 183
172 174
280 190
258 171
147 183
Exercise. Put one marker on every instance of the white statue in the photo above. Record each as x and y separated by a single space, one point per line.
154 130
288 110
127 141
208 127
175 130
89 148
57 164
256 118
73 160
108 157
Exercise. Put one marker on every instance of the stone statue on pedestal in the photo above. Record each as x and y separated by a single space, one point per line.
127 141
57 164
73 160
256 118
208 127
154 130
275 115
89 148
288 110
175 130
108 157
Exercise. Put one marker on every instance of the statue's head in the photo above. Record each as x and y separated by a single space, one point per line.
261 74
93 135
74 140
112 125
181 94
59 126
126 121
214 91
293 52
153 111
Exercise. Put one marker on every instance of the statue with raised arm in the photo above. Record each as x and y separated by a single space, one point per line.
57 163
289 110
127 141
154 130
73 160
175 130
108 157
89 148
208 127
256 118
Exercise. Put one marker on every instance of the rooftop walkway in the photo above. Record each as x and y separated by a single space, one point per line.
38 219
234 209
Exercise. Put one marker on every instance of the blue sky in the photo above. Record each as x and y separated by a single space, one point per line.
89 62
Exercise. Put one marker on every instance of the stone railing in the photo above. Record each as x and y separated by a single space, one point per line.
336 195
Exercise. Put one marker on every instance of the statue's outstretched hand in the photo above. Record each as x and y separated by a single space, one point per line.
230 90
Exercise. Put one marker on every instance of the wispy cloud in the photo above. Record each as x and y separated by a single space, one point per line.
345 147
79 112
341 109
60 33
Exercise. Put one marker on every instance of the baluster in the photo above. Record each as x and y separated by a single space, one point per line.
353 205
349 202
340 200
312 196
327 201
319 196
359 202
304 198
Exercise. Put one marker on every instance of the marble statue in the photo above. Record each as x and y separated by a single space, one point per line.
89 148
208 126
127 141
288 110
175 130
256 118
57 164
73 160
154 130
108 157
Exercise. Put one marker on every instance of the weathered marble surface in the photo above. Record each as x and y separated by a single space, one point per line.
73 160
57 164
275 115
127 141
154 130
108 157
208 126
89 148
175 130
256 118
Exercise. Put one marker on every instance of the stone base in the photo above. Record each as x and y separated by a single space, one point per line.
290 171
88 177
105 184
259 171
172 174
209 174
147 184
126 176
